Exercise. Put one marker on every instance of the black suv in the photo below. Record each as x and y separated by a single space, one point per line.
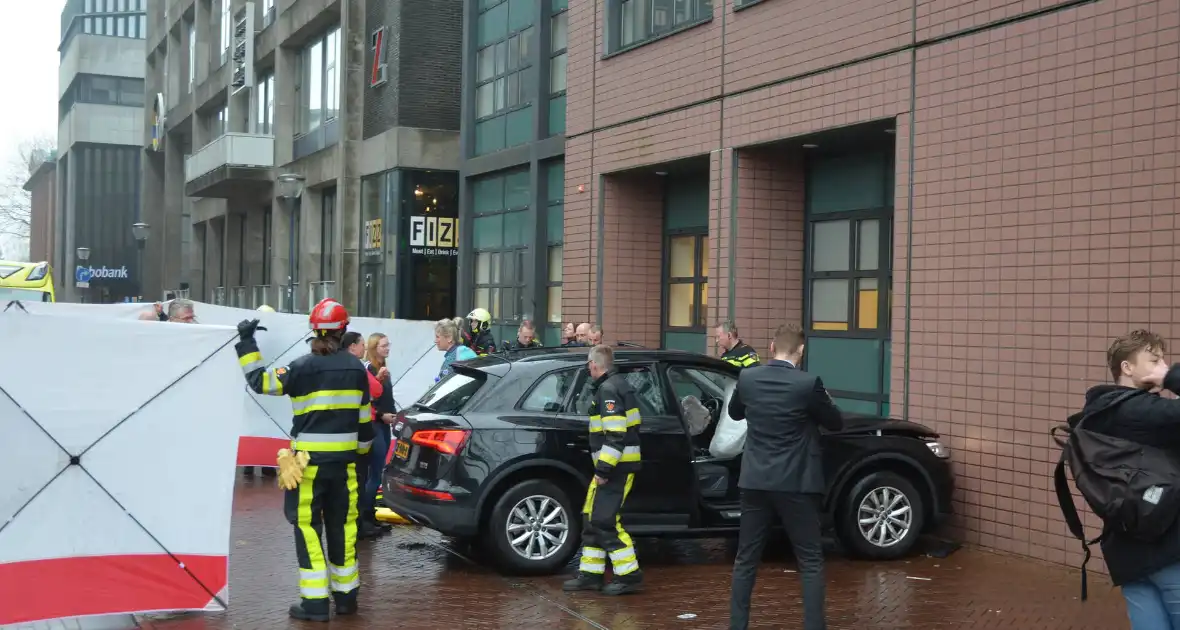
498 452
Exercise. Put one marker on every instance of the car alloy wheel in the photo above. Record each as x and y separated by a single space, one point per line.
537 527
885 516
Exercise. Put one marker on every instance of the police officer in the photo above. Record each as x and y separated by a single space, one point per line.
329 392
526 337
479 322
734 350
614 440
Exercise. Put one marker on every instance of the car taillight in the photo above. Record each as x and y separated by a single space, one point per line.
447 441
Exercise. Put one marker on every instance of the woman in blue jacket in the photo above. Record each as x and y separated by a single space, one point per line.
447 338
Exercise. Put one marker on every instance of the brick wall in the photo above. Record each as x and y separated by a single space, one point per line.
1045 192
1044 199
633 217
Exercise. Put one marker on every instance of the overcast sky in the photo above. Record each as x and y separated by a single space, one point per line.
29 34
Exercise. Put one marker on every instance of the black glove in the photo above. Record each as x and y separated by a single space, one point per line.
247 327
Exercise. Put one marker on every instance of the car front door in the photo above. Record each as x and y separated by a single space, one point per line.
662 496
716 479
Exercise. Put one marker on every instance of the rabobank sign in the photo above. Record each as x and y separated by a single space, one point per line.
83 275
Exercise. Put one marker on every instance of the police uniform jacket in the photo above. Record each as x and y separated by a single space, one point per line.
741 355
614 426
329 398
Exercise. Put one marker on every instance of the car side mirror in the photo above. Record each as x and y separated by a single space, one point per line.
552 407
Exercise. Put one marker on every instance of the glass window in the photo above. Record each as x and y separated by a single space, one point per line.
315 81
101 90
641 20
143 26
87 25
501 84
681 304
550 392
867 304
559 32
451 393
132 30
122 6
682 260
501 236
327 234
89 6
110 25
701 384
557 74
131 92
225 25
555 263
520 14
829 247
868 256
646 384
121 27
492 24
829 304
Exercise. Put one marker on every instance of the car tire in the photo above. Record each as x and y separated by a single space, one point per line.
542 495
875 540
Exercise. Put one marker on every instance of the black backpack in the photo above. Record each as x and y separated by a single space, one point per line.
1134 488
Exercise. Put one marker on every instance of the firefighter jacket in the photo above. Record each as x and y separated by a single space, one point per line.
330 401
483 344
614 426
741 355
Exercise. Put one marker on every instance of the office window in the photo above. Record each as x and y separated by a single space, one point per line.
87 25
122 6
559 32
121 27
265 95
320 100
99 90
133 28
98 29
89 6
226 29
638 21
267 218
501 236
555 229
327 233
687 280
192 56
506 37
131 92
142 26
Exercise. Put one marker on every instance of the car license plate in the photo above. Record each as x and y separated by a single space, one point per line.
402 450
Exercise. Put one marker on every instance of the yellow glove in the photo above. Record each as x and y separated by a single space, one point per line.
291 467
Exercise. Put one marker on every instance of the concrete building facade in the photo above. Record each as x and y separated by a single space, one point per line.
357 97
962 201
100 117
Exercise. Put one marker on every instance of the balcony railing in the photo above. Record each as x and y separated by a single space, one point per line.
231 149
219 296
261 295
238 297
318 291
289 298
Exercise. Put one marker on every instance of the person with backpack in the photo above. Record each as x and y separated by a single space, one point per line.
1123 450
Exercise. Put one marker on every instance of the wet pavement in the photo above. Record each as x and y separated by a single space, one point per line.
414 579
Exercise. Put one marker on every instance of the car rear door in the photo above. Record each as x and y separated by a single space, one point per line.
662 496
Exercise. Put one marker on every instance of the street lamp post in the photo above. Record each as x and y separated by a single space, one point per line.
141 231
82 254
290 189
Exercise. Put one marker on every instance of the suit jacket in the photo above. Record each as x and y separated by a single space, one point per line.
784 408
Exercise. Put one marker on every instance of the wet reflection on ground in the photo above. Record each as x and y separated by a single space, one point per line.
417 579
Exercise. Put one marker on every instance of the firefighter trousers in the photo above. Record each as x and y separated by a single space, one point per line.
603 535
326 500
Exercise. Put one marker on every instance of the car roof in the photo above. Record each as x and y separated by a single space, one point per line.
626 354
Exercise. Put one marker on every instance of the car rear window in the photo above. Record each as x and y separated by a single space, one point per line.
452 392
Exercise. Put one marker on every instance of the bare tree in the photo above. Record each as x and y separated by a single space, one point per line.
15 201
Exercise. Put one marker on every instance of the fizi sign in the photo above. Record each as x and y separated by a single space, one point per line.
373 237
434 236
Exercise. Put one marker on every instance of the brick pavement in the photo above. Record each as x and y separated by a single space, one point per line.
416 579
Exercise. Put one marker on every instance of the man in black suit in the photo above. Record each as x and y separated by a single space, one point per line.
782 471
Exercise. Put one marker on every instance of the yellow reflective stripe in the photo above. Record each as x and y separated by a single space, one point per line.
630 454
345 579
366 414
250 361
614 423
749 360
311 538
609 455
271 385
595 424
633 417
350 523
325 442
327 400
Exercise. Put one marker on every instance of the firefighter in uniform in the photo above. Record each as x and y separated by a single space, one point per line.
614 440
736 352
329 391
480 339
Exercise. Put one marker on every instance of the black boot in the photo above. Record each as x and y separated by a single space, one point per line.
346 602
583 582
366 529
298 611
270 472
625 584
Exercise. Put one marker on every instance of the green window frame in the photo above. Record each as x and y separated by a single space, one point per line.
555 241
505 37
686 280
636 22
849 281
500 235
558 48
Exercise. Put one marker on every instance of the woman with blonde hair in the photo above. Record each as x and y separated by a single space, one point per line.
448 337
376 354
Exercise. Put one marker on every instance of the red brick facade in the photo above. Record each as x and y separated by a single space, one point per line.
1044 170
